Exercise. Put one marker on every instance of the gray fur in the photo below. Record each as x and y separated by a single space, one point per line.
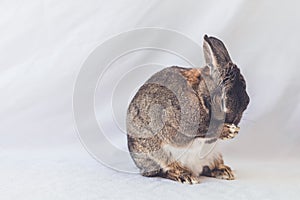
177 105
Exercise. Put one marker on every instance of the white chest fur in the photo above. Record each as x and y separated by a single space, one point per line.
195 156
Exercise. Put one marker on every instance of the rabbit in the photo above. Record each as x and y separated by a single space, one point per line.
180 110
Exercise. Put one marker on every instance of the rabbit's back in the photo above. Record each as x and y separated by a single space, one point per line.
178 114
167 109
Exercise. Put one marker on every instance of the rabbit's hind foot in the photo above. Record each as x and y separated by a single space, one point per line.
220 172
176 172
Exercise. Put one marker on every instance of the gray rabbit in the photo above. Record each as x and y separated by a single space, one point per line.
179 111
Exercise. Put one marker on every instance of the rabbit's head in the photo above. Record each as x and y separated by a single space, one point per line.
227 76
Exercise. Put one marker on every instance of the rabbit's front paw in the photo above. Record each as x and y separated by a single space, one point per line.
229 131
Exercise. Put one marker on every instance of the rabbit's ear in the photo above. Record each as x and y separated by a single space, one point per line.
215 52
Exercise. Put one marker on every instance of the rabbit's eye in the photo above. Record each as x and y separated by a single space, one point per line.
226 80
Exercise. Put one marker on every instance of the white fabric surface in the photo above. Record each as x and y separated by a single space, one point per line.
42 47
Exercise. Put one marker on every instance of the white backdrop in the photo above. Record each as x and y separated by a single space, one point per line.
43 45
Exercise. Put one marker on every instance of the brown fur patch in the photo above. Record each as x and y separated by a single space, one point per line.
192 76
